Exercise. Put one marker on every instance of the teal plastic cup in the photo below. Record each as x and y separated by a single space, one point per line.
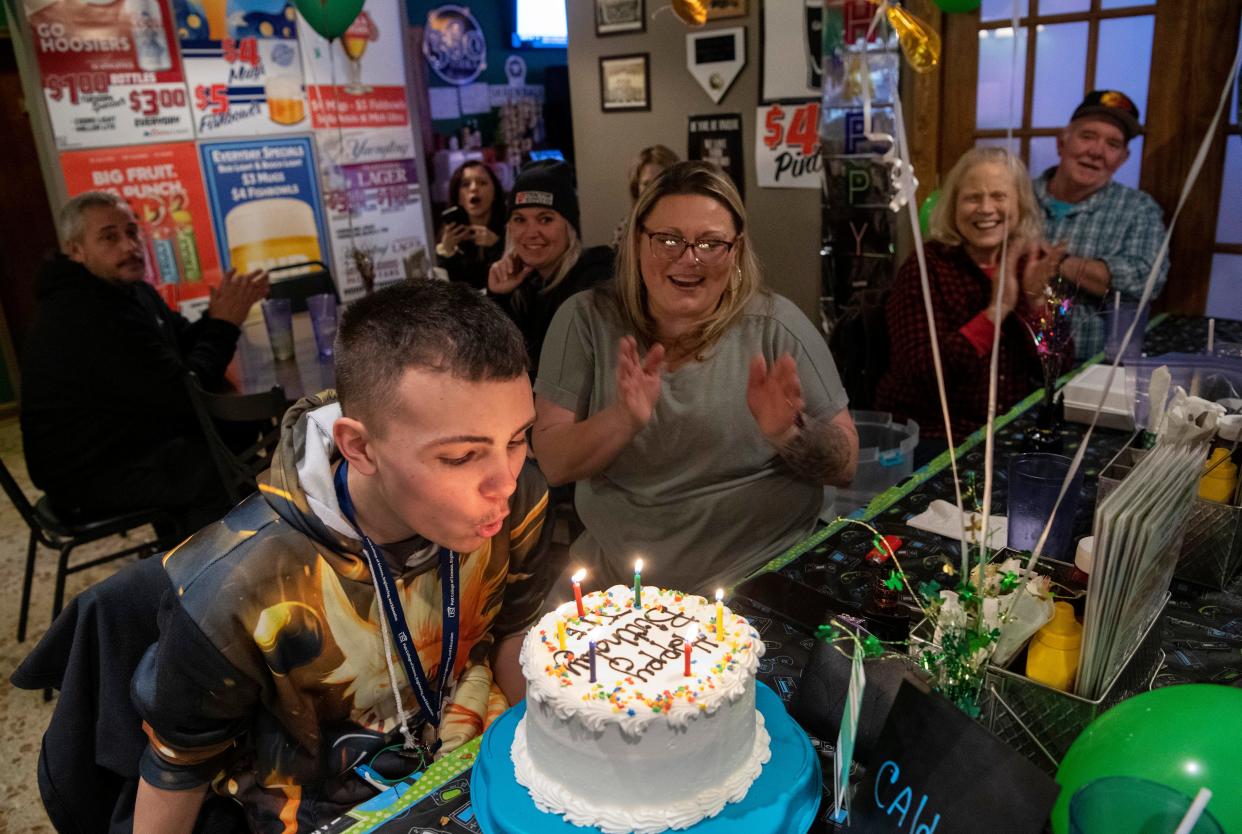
1117 804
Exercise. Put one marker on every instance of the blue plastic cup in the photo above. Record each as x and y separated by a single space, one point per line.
322 309
1034 482
1117 320
278 316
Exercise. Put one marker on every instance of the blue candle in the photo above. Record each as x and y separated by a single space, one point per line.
591 655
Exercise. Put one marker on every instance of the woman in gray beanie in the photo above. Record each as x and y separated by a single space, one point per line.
544 261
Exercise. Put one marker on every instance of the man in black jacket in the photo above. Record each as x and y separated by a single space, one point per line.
106 422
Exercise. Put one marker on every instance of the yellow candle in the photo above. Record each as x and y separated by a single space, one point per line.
720 629
560 633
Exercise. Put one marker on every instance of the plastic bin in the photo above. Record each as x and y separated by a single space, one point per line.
885 458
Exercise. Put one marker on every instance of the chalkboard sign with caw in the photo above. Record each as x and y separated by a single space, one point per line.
935 770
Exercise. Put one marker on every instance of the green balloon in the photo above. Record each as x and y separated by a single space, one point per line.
952 6
1186 737
925 211
329 18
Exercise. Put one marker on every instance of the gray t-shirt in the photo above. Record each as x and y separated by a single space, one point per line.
699 493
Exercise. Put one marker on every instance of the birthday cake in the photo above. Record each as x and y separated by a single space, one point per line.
616 734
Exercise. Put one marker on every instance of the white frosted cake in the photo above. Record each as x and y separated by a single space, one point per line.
643 748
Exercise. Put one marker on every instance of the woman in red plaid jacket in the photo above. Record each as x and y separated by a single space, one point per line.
985 198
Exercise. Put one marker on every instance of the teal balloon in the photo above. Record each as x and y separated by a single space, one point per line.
329 18
1186 737
925 211
954 6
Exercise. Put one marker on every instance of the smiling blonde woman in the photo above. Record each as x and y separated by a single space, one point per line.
544 262
986 206
700 414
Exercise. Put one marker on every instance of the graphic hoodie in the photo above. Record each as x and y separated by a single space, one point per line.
269 679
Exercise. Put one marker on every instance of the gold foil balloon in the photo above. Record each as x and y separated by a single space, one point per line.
692 12
919 42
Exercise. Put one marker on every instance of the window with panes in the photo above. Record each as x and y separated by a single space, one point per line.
1225 292
1065 48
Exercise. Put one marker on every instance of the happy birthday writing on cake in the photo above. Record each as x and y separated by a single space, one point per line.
639 632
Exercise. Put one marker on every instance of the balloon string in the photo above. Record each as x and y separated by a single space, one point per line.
1002 276
928 309
1148 288
340 150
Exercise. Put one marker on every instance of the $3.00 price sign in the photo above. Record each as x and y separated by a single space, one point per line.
787 146
149 102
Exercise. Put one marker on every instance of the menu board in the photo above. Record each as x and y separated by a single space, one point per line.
243 66
164 187
265 200
110 75
358 81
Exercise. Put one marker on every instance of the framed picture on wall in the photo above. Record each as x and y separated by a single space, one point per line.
619 17
718 9
624 82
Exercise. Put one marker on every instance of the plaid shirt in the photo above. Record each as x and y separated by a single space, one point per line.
961 293
1123 227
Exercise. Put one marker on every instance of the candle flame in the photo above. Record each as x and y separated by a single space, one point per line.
579 576
719 594
638 566
692 633
596 634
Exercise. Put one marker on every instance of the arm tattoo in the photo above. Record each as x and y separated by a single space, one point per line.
817 452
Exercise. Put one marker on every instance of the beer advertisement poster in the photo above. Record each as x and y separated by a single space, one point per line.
358 80
110 72
377 208
163 186
243 66
265 202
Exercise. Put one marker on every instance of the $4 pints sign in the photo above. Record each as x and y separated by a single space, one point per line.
787 146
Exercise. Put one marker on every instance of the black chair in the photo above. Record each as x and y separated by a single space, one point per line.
50 531
306 279
261 412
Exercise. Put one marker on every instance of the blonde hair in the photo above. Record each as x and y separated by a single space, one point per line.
704 179
943 225
653 155
567 261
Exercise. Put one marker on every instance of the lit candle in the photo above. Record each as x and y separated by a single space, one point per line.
560 632
692 634
638 584
720 631
577 580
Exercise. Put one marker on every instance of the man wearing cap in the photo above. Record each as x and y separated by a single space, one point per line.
544 262
1112 232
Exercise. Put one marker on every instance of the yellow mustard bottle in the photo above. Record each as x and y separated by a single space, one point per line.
1218 483
1052 658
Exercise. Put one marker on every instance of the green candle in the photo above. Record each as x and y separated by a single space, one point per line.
638 584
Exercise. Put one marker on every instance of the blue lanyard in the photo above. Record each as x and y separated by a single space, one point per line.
391 603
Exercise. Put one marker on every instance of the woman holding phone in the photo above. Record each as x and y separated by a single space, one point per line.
472 229
544 262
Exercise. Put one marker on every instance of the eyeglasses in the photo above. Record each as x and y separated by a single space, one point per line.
668 247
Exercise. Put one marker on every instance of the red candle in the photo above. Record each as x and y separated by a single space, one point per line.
692 634
577 580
